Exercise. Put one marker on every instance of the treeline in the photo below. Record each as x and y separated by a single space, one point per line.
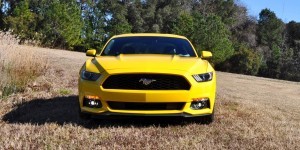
265 47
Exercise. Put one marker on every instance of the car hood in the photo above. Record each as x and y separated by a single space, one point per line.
141 62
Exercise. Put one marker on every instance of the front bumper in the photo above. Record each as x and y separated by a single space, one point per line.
197 90
114 114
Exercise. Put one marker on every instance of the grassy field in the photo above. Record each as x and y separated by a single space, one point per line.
251 113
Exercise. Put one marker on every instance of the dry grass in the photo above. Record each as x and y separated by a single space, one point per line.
19 65
6 38
251 113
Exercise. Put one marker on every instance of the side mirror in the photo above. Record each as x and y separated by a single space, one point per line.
206 54
91 52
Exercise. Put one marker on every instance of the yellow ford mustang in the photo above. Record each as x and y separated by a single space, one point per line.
148 75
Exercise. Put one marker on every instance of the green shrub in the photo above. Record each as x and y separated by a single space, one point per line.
244 61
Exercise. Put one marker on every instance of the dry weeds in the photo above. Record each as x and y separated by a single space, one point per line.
251 113
6 38
19 65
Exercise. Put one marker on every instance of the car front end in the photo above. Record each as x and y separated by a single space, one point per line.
147 85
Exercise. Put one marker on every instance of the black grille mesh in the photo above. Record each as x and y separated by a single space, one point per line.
145 106
139 81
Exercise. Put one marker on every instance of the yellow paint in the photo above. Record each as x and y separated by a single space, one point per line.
149 63
206 54
91 52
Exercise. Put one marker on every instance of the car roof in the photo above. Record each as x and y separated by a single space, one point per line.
149 34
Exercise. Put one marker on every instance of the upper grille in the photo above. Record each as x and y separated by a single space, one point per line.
141 82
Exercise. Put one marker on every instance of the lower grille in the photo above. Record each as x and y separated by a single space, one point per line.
146 82
145 106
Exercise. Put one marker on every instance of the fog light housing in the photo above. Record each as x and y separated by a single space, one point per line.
200 103
92 102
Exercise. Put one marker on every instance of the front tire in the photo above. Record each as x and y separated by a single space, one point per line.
83 116
207 119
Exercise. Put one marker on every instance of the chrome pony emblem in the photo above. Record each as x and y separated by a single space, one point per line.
146 81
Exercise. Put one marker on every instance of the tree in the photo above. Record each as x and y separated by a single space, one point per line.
155 15
93 34
116 12
22 21
245 34
270 36
184 25
53 23
206 33
291 57
211 34
61 24
244 61
293 33
1 16
167 12
231 13
134 17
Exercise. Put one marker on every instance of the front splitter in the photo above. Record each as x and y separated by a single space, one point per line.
114 114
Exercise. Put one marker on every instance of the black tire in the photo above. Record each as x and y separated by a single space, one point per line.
207 119
83 116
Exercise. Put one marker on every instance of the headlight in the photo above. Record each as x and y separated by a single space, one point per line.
90 75
203 77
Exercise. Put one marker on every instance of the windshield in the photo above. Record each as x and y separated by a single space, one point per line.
149 45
